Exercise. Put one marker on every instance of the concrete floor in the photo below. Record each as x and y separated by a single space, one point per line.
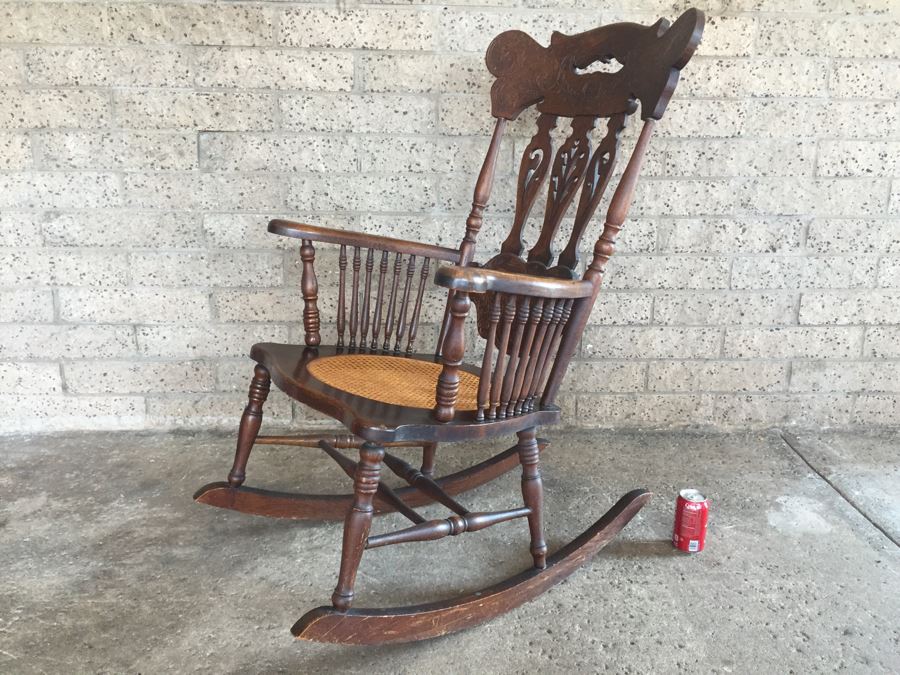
108 566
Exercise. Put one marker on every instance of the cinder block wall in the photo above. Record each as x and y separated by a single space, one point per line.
143 147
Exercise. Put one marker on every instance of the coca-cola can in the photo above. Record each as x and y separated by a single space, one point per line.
691 513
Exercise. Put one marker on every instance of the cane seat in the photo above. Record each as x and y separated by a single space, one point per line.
395 380
380 396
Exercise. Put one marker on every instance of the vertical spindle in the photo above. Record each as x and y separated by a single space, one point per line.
389 321
401 322
526 362
506 317
554 352
342 283
515 349
540 348
370 264
376 322
414 321
484 381
354 298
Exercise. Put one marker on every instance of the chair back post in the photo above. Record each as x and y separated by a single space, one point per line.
603 251
483 187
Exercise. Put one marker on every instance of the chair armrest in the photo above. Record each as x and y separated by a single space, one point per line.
480 280
287 228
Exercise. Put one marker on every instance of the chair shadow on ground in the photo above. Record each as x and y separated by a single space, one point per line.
651 548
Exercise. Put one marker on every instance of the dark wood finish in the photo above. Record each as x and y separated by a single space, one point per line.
367 295
250 423
310 288
414 322
530 310
423 483
509 310
533 494
533 168
438 529
484 383
357 523
354 297
526 357
337 440
651 58
387 494
480 280
401 323
287 228
376 321
603 251
376 421
599 173
453 353
420 622
294 506
483 187
565 181
428 457
342 293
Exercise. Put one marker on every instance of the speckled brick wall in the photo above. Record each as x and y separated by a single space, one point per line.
144 146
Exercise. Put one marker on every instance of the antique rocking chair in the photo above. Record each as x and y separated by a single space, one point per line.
530 313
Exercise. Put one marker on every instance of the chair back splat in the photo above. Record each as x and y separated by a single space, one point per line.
534 336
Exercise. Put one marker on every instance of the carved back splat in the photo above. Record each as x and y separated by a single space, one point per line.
536 160
568 173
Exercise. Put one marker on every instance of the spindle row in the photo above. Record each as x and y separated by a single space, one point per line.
385 298
523 339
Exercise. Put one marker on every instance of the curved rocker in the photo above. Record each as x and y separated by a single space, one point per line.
420 622
299 506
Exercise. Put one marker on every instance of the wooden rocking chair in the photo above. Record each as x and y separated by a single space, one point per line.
530 312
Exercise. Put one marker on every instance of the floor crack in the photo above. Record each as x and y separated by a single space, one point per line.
794 444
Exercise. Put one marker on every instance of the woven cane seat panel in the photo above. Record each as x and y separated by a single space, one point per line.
391 379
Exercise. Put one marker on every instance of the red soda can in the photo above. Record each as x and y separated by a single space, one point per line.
691 512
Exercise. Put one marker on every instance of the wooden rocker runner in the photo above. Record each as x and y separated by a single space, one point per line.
531 311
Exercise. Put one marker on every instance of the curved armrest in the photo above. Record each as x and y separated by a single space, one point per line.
287 228
480 280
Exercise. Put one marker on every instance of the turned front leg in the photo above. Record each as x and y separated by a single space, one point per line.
533 493
250 423
454 350
358 522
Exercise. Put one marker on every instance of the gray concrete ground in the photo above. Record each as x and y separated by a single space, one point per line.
108 566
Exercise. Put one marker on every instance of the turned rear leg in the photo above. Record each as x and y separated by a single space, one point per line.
533 493
358 522
250 423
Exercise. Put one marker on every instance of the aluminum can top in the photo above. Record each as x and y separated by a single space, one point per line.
692 495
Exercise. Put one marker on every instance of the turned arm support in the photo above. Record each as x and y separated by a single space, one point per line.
287 228
479 280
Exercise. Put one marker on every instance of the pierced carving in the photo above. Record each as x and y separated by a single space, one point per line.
596 179
568 173
651 58
533 169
